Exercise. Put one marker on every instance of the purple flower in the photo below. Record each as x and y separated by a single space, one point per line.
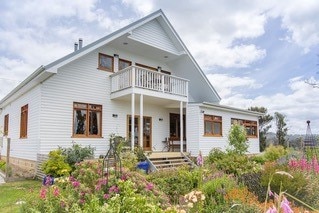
200 160
272 210
285 206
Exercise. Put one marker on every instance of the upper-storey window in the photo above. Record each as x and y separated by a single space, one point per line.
87 120
212 125
146 67
24 122
124 63
6 125
106 62
250 126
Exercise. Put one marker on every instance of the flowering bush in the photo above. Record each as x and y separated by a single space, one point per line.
88 190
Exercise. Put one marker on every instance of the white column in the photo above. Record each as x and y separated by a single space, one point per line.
116 62
132 120
181 124
141 122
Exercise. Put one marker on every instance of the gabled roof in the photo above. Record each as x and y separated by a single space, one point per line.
41 74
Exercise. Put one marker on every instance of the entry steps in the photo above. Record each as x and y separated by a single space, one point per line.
168 160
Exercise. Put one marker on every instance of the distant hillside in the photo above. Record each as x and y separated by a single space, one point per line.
295 140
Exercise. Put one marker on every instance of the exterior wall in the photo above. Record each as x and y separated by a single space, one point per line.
81 81
152 33
205 143
23 148
192 129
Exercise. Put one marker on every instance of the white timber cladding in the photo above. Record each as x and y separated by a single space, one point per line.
192 129
207 143
153 34
25 148
81 81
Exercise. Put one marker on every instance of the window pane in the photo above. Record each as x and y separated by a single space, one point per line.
123 64
79 121
217 129
94 128
208 127
106 62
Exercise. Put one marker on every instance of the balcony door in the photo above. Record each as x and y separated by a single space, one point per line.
147 131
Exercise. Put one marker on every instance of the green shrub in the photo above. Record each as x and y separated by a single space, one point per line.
56 164
215 191
238 139
175 183
232 163
273 153
260 159
295 186
76 154
2 165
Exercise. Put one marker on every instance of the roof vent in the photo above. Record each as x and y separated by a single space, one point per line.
75 47
80 43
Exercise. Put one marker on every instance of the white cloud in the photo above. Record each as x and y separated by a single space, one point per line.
226 85
300 18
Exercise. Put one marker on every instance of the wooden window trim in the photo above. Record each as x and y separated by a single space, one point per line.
211 118
24 121
105 68
146 67
247 123
124 60
87 121
6 125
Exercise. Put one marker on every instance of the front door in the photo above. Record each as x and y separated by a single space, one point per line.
175 126
147 131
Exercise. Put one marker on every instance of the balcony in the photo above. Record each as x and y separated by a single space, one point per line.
136 79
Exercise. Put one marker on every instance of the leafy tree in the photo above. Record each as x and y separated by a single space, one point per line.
238 139
264 125
282 129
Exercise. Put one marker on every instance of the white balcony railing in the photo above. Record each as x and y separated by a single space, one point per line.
134 76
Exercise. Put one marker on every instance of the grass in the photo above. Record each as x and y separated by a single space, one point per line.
12 192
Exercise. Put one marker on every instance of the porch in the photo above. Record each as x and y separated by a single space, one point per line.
137 85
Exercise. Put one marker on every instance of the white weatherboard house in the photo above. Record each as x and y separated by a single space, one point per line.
143 71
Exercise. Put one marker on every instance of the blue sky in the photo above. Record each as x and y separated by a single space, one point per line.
255 53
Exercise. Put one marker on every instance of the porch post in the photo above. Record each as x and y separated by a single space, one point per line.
141 122
181 124
132 121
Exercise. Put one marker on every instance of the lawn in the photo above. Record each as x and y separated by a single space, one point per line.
12 192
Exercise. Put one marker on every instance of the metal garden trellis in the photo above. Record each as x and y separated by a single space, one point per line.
112 161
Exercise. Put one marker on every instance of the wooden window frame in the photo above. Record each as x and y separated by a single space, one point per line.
146 67
125 61
213 119
24 121
100 67
6 125
87 120
248 125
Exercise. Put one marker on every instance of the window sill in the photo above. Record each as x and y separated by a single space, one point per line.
219 136
84 136
104 69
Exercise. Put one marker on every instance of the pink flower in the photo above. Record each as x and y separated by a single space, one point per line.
56 191
75 184
149 186
200 160
285 206
106 196
114 189
43 193
272 210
